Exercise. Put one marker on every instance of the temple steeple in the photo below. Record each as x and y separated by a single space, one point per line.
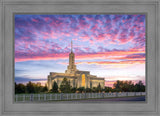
71 67
71 46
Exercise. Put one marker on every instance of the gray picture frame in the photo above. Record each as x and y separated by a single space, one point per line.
7 10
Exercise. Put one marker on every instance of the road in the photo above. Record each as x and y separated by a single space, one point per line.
137 98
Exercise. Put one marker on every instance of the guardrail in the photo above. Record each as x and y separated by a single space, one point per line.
72 96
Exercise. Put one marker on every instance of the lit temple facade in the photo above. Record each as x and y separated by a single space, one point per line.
76 77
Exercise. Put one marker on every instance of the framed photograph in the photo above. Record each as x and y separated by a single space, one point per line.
105 54
79 57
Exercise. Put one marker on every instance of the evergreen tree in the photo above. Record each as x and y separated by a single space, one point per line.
55 87
65 86
98 89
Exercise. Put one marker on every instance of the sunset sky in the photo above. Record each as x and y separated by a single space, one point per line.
109 46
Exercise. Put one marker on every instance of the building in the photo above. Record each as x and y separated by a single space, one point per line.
76 77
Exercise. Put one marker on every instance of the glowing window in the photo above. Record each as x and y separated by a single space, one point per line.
83 80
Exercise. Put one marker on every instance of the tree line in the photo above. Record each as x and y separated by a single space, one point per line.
30 88
65 87
128 86
118 86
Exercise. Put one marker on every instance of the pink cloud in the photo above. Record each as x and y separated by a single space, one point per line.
100 37
113 62
46 19
35 20
45 57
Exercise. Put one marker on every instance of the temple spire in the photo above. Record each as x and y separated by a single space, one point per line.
71 67
71 46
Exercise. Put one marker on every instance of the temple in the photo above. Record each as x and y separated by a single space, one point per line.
76 77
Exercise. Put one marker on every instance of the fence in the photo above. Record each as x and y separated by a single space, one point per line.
72 96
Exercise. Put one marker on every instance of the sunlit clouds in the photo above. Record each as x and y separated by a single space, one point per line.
105 45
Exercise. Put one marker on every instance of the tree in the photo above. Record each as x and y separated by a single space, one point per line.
88 90
81 89
37 87
15 84
20 88
139 87
108 89
127 86
55 87
118 86
98 89
45 89
73 90
30 87
65 86
94 89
